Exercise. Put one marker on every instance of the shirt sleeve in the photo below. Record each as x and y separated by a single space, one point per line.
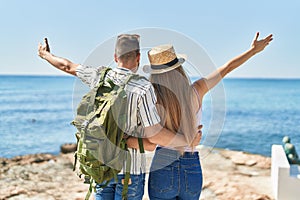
147 109
88 75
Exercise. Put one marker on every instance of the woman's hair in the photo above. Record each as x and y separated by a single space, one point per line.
175 102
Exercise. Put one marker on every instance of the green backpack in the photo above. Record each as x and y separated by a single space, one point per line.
101 121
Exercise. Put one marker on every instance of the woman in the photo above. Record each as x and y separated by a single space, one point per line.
176 172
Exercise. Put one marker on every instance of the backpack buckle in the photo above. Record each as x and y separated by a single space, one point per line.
84 124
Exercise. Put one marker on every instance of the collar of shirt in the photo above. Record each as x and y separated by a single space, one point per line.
123 70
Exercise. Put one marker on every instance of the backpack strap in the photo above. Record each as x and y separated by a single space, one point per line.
135 76
93 92
87 197
141 145
140 140
128 160
126 177
102 76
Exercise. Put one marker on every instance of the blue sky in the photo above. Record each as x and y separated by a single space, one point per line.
224 28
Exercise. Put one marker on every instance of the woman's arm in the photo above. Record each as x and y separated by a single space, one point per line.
164 137
158 135
60 63
132 142
203 85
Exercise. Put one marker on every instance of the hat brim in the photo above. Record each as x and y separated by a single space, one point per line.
181 59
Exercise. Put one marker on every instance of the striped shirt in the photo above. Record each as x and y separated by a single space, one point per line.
141 101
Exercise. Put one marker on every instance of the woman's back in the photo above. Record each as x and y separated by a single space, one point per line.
177 102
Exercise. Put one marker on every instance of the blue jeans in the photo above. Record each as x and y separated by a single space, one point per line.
175 176
113 191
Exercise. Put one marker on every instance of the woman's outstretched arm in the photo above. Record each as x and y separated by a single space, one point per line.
205 84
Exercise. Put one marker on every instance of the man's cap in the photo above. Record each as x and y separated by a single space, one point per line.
127 43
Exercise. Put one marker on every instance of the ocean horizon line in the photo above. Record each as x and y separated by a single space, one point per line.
37 75
192 77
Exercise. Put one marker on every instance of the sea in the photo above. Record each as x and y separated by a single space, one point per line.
251 114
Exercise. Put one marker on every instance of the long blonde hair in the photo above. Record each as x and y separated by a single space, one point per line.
175 102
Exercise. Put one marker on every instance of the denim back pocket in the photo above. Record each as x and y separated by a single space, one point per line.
193 179
162 180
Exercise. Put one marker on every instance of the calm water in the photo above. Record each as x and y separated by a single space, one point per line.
259 112
36 111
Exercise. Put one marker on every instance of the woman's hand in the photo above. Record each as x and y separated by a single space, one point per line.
259 45
198 137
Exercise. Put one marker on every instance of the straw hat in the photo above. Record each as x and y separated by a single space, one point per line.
163 59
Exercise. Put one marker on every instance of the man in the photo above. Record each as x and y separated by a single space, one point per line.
141 110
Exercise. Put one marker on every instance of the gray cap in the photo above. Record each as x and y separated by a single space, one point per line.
127 43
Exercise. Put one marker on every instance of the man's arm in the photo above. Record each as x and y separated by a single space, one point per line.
203 85
60 63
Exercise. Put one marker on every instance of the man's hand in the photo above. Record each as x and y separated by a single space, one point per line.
259 45
58 62
43 50
198 137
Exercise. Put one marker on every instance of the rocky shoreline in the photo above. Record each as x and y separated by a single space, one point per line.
234 175
228 175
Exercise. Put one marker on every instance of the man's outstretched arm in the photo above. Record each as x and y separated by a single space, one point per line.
60 63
